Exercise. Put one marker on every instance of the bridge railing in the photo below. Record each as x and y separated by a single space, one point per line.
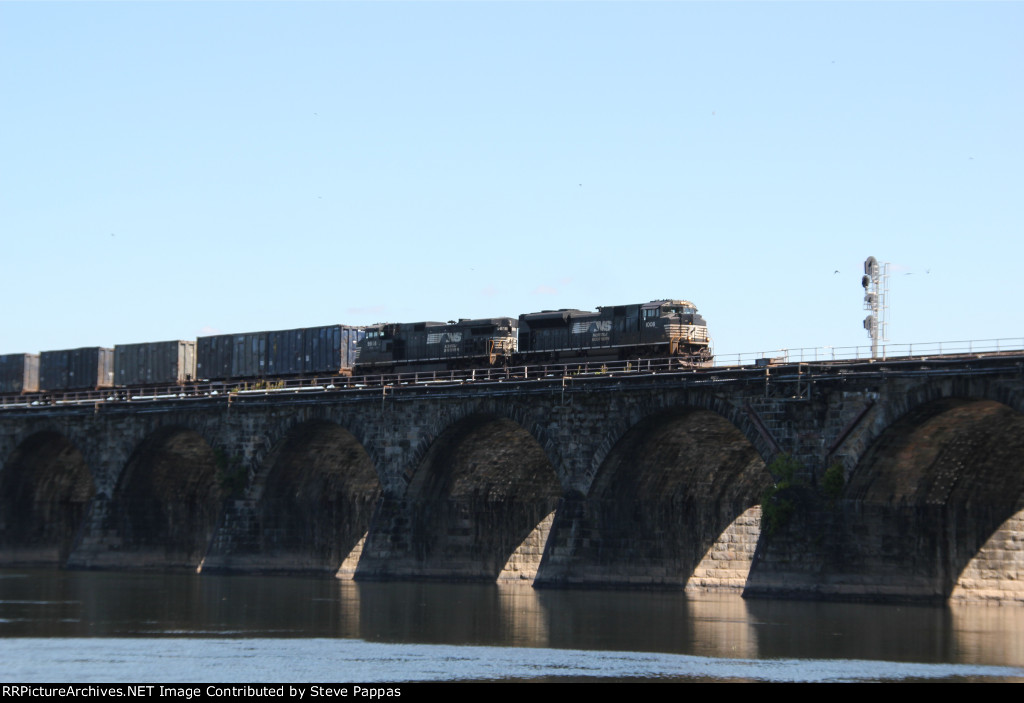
885 351
369 382
382 383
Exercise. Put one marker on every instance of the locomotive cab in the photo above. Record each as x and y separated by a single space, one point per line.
678 311
678 323
378 345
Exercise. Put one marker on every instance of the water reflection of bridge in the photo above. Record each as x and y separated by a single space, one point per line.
906 480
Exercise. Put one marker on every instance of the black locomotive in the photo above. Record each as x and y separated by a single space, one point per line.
658 329
434 346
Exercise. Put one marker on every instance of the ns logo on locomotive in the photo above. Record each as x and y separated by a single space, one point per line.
658 329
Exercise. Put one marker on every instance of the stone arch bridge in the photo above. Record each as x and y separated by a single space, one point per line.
894 480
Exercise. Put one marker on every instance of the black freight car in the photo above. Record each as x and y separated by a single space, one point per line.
76 369
19 373
436 346
308 351
660 328
155 363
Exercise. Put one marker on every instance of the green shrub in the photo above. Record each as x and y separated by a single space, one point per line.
231 474
778 501
833 480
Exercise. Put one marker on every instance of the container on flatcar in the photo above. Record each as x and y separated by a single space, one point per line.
19 373
312 350
155 363
437 345
76 369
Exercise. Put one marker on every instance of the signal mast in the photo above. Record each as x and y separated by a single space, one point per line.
876 287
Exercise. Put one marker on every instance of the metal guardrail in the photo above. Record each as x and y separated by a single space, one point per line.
368 382
863 353
381 383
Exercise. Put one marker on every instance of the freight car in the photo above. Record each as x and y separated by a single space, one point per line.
154 363
309 351
658 329
435 346
19 373
87 368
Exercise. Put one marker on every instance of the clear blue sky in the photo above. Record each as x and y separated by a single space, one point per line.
169 170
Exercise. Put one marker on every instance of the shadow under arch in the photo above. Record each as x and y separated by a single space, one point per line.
316 496
167 502
45 489
930 492
665 493
477 507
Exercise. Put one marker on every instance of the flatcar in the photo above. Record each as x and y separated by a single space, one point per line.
658 329
434 346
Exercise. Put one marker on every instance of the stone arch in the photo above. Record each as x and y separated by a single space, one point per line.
45 490
919 401
314 497
665 493
168 501
477 507
441 423
933 489
288 424
627 419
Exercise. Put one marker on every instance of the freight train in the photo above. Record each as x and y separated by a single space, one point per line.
658 329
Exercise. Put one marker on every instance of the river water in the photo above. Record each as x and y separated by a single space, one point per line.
77 626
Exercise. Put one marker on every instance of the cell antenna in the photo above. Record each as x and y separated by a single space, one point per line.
876 288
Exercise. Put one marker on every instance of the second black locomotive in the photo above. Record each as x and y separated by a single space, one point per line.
433 346
660 328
